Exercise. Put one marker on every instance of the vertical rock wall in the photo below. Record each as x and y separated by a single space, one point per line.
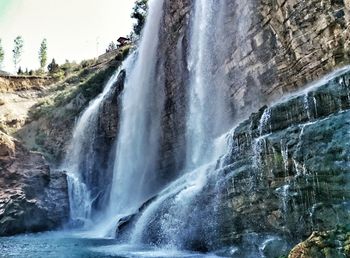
272 47
173 54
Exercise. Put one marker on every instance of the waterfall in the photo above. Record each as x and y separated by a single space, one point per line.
137 145
207 115
134 170
174 210
140 121
80 158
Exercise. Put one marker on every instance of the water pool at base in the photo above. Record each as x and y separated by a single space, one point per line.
57 245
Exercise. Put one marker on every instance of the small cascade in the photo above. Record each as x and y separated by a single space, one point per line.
264 124
80 158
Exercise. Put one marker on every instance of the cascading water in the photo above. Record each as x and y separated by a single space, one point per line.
137 145
203 94
173 209
80 158
140 121
137 142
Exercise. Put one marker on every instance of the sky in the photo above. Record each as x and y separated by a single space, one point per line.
75 29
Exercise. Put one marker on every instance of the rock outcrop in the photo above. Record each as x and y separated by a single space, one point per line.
276 47
288 170
173 49
329 244
32 198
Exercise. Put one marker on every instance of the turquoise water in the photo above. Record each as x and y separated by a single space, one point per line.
58 244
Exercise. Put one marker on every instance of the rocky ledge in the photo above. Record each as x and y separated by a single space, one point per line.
287 174
32 198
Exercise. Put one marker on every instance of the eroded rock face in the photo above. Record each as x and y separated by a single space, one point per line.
270 48
173 68
286 174
288 170
32 198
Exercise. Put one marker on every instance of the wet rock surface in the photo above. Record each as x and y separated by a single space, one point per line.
32 198
288 170
173 67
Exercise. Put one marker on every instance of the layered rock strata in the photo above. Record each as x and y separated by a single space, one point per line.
288 170
265 49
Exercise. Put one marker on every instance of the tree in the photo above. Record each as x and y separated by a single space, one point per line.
53 67
2 54
17 50
43 54
139 13
111 47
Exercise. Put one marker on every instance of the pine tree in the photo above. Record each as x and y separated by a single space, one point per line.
17 50
20 72
43 54
139 13
111 47
53 67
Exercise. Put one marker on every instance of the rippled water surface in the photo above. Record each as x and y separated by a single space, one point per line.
52 245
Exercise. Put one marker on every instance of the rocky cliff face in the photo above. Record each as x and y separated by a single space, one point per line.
288 44
32 198
174 44
99 171
287 173
270 48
